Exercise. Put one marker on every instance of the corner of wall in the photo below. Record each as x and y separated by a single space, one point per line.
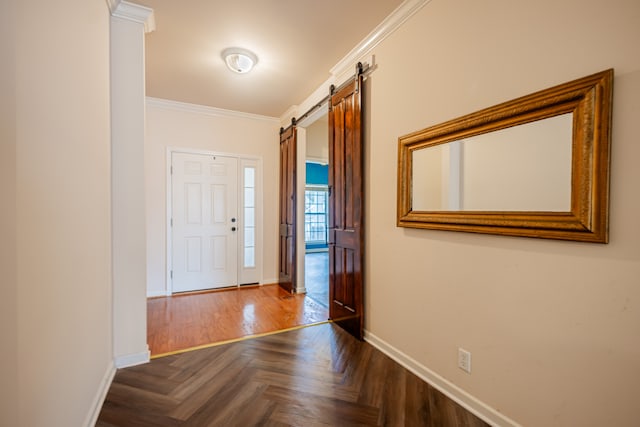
128 360
8 236
101 394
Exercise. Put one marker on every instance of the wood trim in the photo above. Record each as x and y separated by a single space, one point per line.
346 207
287 262
590 101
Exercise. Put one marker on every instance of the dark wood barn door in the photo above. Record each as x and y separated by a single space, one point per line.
346 231
287 246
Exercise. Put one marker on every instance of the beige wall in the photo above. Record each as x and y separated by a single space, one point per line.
553 326
199 128
63 223
8 301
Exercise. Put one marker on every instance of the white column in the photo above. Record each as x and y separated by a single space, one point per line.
128 25
452 182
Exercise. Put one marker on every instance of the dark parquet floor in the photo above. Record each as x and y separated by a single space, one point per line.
315 376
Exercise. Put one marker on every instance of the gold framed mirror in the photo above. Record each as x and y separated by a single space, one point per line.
536 166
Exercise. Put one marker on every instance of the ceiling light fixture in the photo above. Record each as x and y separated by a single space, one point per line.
239 60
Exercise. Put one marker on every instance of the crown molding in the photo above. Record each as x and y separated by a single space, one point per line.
205 110
113 4
345 67
133 12
387 27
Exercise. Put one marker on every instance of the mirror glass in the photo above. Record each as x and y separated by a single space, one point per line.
520 168
535 166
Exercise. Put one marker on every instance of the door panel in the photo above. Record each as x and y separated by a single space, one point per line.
346 231
204 208
287 245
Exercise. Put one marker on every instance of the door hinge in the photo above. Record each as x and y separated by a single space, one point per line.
171 274
171 222
171 170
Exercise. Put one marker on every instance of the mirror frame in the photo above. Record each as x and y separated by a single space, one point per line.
590 101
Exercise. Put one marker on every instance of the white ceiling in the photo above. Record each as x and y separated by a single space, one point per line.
297 43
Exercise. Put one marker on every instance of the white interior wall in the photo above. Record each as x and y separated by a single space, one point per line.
63 224
172 124
313 146
550 324
317 146
521 168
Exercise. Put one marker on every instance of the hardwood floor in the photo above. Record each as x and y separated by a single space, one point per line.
185 321
316 277
315 376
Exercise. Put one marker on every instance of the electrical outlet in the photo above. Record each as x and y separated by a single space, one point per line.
464 360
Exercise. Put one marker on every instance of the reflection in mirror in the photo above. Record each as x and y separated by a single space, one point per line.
536 166
520 168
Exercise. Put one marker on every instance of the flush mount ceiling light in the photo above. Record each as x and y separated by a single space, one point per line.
239 60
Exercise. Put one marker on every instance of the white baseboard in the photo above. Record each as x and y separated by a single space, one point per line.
128 360
455 393
153 294
101 394
269 281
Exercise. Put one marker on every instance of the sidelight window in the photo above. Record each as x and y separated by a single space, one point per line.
249 190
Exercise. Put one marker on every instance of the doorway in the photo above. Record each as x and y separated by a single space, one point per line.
316 209
235 311
346 203
215 218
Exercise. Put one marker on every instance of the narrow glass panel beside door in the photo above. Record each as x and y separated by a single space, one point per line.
249 217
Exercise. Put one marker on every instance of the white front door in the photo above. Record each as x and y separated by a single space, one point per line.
204 209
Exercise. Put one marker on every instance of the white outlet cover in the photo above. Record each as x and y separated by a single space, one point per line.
464 360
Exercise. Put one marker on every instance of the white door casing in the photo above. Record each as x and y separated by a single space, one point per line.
204 221
247 209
